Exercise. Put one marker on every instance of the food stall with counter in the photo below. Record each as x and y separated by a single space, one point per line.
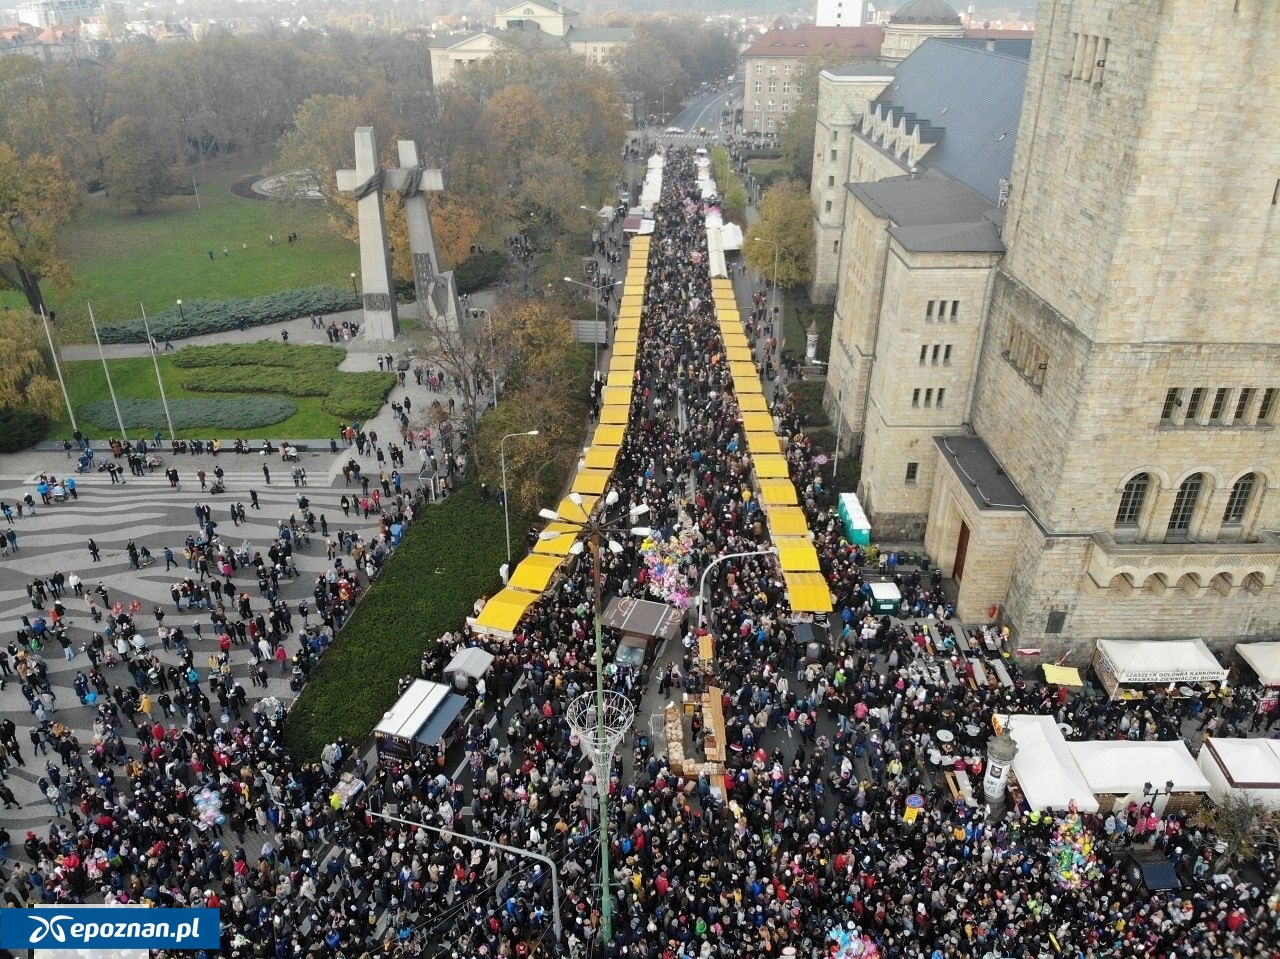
1130 669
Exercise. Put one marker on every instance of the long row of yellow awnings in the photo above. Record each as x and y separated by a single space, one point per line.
503 612
806 589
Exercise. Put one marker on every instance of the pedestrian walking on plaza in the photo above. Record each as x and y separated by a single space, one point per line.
93 552
12 537
266 474
169 561
10 800
253 497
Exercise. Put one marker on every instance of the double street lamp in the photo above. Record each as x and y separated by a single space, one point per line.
595 328
506 510
594 528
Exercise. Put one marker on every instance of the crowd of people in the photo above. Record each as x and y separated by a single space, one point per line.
203 806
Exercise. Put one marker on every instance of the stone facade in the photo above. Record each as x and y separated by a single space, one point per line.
842 102
1130 334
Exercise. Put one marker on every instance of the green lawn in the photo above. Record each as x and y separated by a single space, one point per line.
135 377
119 260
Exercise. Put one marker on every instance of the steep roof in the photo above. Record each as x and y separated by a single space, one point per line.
450 40
549 5
970 100
819 42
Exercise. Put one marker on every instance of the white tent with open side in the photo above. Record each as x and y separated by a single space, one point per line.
1044 768
1155 662
1250 766
1264 658
1122 768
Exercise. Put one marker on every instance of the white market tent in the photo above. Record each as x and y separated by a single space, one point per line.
1121 769
1159 662
731 237
472 662
1044 767
1249 766
1264 658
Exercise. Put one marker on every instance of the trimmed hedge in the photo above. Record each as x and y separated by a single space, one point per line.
448 557
262 353
219 316
245 412
21 429
347 396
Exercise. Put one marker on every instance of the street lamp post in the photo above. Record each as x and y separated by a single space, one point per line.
493 374
181 313
1155 792
506 511
593 527
702 582
773 294
514 850
595 328
353 283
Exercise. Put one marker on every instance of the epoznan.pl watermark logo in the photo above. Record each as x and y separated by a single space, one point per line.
109 928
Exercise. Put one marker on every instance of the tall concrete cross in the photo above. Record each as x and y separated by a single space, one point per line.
369 181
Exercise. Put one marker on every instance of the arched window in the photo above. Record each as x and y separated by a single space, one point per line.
1239 500
1132 499
1184 506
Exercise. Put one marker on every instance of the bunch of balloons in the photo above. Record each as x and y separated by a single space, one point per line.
1071 852
666 564
851 943
209 808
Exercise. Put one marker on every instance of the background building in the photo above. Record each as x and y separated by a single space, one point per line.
52 13
840 13
1111 470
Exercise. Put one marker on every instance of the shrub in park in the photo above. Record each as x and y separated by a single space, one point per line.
21 428
220 316
263 353
227 416
480 270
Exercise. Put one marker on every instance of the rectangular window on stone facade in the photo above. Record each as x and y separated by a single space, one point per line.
1268 405
946 355
928 397
924 354
1219 404
834 154
913 470
828 206
955 309
936 352
915 397
1242 404
1170 404
928 312
941 394
1194 404
831 180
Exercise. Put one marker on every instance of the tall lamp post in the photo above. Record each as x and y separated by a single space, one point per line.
1155 792
594 528
353 283
773 294
702 582
182 314
506 511
595 328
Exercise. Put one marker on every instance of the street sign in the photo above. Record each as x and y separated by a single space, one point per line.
821 459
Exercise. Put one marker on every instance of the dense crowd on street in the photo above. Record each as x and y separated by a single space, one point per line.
198 803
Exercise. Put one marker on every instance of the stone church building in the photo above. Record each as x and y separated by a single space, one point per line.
1056 337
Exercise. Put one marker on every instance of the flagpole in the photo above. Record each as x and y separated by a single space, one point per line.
124 435
156 363
57 368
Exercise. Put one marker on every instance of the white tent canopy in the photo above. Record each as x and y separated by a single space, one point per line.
1265 660
1123 768
1249 766
1044 768
1155 662
471 662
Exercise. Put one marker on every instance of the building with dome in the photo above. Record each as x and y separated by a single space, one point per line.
915 22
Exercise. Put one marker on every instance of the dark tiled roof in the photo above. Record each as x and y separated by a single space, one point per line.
974 96
932 214
818 42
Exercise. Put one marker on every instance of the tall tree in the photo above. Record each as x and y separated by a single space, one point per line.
139 164
36 198
25 383
786 219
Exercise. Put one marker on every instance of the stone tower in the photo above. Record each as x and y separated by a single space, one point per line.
1129 381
